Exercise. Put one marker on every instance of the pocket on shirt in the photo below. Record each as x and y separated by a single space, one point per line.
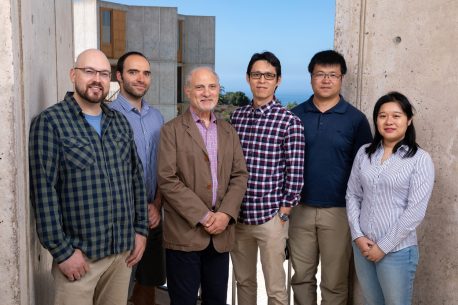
78 152
122 146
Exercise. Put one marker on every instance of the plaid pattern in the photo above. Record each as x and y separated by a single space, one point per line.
273 143
87 190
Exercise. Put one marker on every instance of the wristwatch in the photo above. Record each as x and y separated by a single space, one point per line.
283 216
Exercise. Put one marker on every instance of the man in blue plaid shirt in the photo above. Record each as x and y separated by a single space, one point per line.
272 140
87 190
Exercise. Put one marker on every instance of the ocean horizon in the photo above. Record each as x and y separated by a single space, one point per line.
293 97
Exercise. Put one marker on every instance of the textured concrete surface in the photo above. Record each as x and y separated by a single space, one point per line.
36 39
409 46
12 281
85 20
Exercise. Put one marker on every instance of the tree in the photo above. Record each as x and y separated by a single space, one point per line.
291 105
234 98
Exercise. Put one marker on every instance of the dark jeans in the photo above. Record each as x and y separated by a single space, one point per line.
187 270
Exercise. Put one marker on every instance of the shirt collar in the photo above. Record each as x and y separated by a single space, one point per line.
266 107
340 107
403 149
128 106
77 109
196 118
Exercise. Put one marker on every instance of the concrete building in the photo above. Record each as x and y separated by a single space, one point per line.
403 45
173 44
409 46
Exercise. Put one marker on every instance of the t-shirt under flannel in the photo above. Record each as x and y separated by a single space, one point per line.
87 190
273 144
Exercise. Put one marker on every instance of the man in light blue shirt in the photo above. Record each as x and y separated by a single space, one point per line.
134 76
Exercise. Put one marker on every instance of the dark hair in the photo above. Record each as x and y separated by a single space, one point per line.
409 138
122 59
267 56
328 58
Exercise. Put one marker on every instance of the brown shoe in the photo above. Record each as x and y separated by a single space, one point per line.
143 295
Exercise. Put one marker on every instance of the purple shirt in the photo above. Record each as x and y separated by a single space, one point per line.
210 137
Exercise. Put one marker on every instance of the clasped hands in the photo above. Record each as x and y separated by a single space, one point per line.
216 222
369 249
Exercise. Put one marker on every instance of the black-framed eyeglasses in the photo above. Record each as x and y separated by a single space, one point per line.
322 75
267 75
89 72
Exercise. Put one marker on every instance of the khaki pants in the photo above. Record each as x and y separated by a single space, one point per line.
106 283
315 233
270 237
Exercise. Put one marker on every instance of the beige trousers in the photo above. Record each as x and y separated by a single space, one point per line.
270 238
315 233
106 283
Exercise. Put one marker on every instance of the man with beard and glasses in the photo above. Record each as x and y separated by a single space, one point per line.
87 190
134 76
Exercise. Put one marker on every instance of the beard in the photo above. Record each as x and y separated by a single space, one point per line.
131 90
92 98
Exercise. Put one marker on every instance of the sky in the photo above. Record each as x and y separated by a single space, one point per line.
294 30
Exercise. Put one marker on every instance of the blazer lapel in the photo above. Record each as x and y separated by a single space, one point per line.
193 131
223 135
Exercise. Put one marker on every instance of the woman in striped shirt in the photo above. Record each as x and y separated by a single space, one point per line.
387 195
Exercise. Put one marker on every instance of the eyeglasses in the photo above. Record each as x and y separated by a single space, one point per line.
267 75
89 72
322 75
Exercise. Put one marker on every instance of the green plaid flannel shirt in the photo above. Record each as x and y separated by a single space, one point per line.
87 190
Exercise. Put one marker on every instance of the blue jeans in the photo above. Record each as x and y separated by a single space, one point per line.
390 281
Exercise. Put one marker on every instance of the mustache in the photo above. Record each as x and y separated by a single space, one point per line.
96 83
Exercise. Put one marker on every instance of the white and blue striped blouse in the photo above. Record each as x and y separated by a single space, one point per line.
387 201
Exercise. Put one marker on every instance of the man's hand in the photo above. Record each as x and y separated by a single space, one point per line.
217 223
375 254
285 210
364 244
137 253
74 267
154 216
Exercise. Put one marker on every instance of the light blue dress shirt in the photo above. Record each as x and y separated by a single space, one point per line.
146 125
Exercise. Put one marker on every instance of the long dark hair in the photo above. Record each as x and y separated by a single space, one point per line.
409 138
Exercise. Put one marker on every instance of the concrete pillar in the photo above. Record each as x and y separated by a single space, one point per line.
14 263
409 46
85 20
37 52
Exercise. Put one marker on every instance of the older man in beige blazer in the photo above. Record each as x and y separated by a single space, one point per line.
202 176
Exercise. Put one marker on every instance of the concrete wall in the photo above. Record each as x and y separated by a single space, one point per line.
409 46
85 21
37 50
153 31
199 40
198 43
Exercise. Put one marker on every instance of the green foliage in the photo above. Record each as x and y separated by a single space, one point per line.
233 98
291 105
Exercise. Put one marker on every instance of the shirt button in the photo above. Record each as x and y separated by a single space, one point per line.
206 158
209 186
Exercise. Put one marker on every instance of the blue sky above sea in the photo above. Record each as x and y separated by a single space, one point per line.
294 30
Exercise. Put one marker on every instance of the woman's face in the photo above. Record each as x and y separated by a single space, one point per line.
392 122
